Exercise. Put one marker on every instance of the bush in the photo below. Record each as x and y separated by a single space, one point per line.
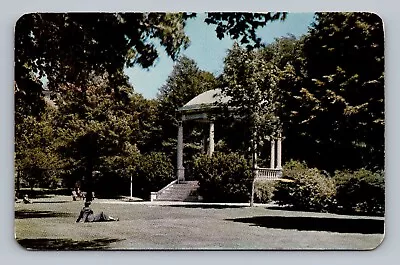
109 185
264 191
361 191
153 172
223 177
307 188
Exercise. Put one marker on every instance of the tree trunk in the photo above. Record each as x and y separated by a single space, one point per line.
89 184
254 167
252 193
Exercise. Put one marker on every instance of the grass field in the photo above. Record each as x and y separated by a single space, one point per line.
49 223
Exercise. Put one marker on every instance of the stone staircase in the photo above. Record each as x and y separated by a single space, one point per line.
182 191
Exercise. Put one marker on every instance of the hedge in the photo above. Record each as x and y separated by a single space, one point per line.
223 177
361 191
308 188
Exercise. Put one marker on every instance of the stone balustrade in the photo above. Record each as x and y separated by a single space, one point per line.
268 173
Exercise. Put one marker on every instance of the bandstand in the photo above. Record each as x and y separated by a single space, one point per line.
203 108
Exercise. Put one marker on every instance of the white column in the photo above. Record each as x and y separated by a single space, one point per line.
205 149
211 139
255 150
255 156
180 168
279 153
272 165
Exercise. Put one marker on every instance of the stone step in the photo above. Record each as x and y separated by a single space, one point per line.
171 194
182 191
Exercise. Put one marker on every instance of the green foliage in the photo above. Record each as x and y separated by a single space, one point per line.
101 129
149 172
264 191
46 42
184 83
242 25
153 172
331 91
341 114
223 177
95 123
251 82
360 191
36 157
307 188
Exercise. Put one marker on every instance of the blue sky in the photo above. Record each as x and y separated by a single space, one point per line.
208 51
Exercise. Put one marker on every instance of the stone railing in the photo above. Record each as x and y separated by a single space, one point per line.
154 195
268 173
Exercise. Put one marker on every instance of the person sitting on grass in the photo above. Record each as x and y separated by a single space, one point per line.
26 199
87 215
74 195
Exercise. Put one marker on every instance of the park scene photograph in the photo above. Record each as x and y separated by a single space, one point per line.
199 131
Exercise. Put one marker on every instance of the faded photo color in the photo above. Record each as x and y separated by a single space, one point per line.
199 131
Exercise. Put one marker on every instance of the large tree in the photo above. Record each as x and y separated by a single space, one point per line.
251 82
332 84
344 90
100 130
286 53
37 161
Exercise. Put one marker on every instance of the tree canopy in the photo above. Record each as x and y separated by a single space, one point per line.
344 88
251 83
326 88
69 47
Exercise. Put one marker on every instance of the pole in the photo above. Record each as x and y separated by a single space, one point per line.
254 171
252 192
131 186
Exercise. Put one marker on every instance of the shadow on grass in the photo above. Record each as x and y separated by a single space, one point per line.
289 208
206 206
65 244
338 225
38 202
39 214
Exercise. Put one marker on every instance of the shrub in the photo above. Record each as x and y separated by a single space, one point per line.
307 188
223 177
109 185
264 191
360 191
153 172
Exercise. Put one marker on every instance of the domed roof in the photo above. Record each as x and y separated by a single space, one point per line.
206 99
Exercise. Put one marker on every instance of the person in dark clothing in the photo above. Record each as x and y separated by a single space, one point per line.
26 199
87 215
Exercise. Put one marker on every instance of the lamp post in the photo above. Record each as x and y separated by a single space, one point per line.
131 187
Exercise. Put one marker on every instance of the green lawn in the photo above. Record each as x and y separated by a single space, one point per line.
49 223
